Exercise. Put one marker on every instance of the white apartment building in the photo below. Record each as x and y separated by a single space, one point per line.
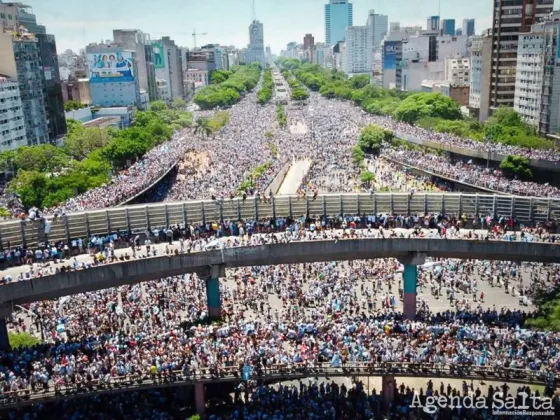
451 46
457 70
12 121
479 82
359 50
529 77
537 81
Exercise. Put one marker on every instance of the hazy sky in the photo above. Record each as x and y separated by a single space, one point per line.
75 23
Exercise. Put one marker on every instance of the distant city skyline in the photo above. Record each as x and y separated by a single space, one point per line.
226 22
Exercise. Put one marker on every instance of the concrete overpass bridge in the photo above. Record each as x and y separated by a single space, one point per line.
211 264
200 379
138 218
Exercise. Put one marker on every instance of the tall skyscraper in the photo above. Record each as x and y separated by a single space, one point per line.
113 75
448 27
26 45
21 61
378 26
339 15
14 16
537 84
468 27
308 41
359 50
481 68
135 40
432 24
168 64
511 17
12 124
255 53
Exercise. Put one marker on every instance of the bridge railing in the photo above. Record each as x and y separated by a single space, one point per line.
60 389
140 217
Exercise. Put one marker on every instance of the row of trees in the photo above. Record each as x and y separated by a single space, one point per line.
225 92
429 110
281 115
47 176
265 94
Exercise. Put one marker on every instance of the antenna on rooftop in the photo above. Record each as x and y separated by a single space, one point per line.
253 11
439 9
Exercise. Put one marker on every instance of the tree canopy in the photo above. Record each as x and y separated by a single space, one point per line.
227 91
516 167
422 105
47 175
265 94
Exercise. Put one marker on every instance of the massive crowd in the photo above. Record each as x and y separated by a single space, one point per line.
470 173
83 254
331 312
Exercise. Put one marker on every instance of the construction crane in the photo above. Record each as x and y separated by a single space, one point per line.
194 35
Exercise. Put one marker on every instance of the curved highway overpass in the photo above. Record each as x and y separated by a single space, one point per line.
145 269
544 165
388 371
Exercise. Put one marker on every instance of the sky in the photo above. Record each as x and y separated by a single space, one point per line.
76 23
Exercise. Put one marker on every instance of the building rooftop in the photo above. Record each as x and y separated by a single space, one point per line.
103 122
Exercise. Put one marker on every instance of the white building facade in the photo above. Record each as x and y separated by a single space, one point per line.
458 70
529 77
479 80
359 50
12 121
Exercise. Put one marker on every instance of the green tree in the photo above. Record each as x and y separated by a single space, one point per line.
421 105
90 139
516 166
44 157
156 106
179 103
72 105
203 127
360 81
22 340
358 155
31 187
367 178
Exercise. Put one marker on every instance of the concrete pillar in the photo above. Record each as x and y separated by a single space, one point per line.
410 283
213 291
410 277
199 401
4 340
388 388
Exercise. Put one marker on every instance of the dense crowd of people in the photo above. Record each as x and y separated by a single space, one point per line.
470 173
83 254
336 313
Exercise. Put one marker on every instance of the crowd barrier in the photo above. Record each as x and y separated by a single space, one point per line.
140 217
142 381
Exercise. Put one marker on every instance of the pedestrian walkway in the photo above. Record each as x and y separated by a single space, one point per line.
294 177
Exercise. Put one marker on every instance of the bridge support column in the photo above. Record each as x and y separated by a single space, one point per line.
388 387
4 340
199 400
213 291
410 283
